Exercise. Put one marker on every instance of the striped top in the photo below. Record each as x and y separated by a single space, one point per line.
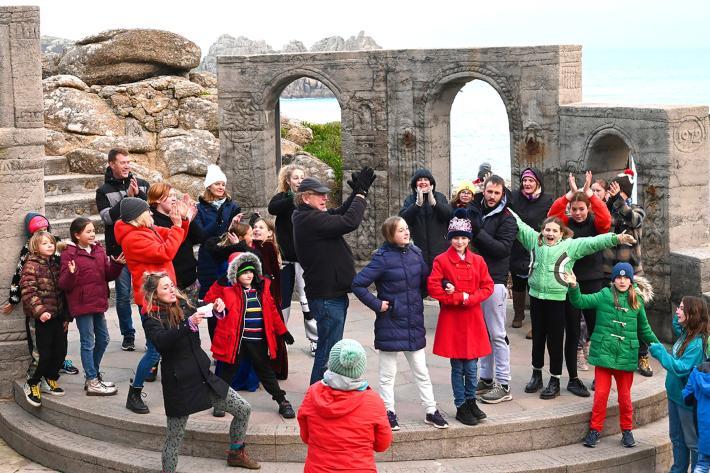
253 317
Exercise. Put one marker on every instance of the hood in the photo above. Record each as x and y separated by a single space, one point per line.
422 173
703 377
538 176
245 257
332 404
502 205
644 289
29 217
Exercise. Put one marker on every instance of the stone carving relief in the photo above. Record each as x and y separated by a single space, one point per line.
242 112
689 134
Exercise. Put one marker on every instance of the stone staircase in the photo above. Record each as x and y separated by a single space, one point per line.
69 195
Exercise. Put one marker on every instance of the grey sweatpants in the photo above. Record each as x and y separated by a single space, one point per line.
494 315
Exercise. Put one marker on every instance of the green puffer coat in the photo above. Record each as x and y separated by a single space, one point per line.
615 342
548 264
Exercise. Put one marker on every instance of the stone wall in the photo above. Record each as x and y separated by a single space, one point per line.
22 139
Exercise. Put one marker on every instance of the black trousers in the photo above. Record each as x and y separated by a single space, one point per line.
548 326
573 317
257 353
52 349
519 284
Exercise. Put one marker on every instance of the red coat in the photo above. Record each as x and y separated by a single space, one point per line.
149 250
228 332
86 289
461 331
343 429
602 217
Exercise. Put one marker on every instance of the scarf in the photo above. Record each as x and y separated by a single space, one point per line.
218 203
343 383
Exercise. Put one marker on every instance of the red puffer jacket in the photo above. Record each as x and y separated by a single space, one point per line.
86 289
461 331
149 250
343 429
228 333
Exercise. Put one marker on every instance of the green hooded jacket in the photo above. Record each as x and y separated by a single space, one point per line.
615 341
548 264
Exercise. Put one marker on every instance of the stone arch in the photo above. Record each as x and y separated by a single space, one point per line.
606 151
273 88
434 149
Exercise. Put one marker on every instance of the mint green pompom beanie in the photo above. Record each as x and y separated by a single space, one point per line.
348 358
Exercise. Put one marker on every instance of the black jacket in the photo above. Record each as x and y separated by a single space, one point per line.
188 383
494 239
327 260
428 225
591 266
108 202
184 262
282 206
532 212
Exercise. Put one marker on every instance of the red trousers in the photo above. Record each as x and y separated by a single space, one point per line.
624 380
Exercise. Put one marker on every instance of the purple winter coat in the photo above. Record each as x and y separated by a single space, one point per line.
87 289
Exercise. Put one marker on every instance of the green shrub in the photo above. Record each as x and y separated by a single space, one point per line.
326 146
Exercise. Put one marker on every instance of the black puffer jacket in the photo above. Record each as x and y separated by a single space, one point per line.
428 225
187 380
282 207
494 240
532 212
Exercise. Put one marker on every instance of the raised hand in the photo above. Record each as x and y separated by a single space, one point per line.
588 184
233 238
572 183
175 217
72 266
133 189
626 239
614 188
420 197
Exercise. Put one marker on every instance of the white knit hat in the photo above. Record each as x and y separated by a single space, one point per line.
214 174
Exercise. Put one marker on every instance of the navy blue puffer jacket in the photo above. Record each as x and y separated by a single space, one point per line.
400 276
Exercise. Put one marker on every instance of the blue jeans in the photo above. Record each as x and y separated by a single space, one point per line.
330 317
703 465
464 379
684 437
123 303
93 338
150 358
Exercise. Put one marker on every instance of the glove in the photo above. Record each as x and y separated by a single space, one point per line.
288 338
364 180
432 199
420 197
656 350
353 179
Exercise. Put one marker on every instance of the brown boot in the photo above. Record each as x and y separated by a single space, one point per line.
518 308
240 458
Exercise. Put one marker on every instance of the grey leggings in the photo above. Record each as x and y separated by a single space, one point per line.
233 403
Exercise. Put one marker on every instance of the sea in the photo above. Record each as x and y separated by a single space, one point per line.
479 122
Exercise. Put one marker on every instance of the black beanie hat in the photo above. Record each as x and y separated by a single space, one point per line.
132 208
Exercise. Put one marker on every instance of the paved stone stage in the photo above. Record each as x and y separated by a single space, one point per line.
80 433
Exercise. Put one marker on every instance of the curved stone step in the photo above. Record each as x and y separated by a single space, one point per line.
63 450
59 184
70 206
106 419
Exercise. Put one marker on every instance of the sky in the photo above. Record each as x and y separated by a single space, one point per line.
396 24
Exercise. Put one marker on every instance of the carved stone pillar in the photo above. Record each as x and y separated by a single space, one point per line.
22 139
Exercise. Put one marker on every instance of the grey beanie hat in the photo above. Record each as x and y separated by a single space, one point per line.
132 208
348 358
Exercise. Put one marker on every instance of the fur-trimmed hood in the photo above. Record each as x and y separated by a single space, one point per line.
238 260
644 289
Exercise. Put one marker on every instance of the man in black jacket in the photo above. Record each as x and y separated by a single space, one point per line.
427 212
494 229
119 183
328 266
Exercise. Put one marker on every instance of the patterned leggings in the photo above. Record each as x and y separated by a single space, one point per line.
233 403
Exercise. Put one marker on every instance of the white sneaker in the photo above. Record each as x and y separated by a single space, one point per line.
94 387
314 346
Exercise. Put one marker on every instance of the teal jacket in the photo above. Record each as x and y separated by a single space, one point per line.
678 367
548 264
615 341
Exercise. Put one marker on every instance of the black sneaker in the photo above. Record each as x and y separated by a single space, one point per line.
32 394
286 410
592 439
576 387
627 439
436 420
392 418
218 412
474 409
465 416
128 344
68 368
